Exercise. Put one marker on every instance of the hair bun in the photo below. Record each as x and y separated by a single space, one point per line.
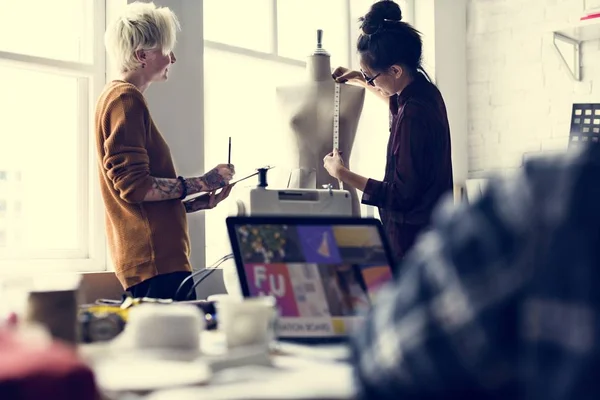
380 12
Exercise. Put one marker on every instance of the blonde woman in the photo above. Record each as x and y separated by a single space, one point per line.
143 195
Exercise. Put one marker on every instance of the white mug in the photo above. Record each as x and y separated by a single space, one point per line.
247 322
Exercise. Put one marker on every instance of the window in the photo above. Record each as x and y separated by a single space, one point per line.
246 59
240 23
50 79
58 29
298 21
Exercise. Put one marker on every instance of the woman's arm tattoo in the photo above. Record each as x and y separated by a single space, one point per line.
189 206
196 185
170 188
213 180
197 203
164 189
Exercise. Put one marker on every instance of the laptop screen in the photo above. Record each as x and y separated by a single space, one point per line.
324 276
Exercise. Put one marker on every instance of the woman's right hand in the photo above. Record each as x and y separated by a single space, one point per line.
218 177
345 75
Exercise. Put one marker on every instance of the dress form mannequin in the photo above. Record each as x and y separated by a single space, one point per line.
308 112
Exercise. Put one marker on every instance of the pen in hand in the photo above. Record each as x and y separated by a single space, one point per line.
229 153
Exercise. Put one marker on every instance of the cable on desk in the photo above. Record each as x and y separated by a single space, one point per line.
200 272
209 271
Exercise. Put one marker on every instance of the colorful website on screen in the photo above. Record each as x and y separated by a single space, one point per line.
323 277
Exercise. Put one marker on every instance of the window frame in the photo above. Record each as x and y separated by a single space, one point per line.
91 77
273 55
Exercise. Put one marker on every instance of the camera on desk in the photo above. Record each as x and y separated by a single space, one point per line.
100 323
106 319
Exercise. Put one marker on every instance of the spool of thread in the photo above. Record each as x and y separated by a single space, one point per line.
56 311
262 177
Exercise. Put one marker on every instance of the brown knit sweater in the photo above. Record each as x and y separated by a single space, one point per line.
145 238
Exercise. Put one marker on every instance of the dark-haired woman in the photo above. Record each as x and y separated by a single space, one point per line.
418 169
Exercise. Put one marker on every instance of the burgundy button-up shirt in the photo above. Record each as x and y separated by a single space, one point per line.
419 165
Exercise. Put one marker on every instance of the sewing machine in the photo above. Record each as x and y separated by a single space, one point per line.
263 201
314 202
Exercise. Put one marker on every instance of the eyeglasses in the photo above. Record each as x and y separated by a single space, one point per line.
369 80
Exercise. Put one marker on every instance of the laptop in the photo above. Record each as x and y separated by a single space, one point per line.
324 272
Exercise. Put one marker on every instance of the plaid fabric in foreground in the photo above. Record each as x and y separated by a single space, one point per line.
499 299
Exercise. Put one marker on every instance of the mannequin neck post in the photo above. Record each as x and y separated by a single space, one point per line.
318 67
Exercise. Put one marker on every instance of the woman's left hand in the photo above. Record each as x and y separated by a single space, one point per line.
333 163
208 200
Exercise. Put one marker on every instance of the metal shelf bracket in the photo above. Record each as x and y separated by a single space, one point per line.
574 65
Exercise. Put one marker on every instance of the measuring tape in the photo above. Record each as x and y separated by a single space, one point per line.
336 117
336 122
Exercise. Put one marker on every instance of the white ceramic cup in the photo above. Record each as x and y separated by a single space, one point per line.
247 322
166 328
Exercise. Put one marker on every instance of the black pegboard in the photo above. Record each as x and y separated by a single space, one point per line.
585 124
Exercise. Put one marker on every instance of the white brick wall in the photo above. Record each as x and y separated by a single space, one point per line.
520 94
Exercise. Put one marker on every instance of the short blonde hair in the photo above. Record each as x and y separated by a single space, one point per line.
141 26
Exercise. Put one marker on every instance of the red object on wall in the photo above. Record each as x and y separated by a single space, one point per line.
590 16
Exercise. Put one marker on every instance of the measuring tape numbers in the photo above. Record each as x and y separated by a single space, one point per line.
336 122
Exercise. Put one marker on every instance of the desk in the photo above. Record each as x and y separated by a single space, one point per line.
288 377
291 378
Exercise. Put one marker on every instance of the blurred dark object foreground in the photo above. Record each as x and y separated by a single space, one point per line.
42 369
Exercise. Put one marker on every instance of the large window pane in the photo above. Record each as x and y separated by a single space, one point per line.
57 29
242 23
247 112
40 163
298 21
